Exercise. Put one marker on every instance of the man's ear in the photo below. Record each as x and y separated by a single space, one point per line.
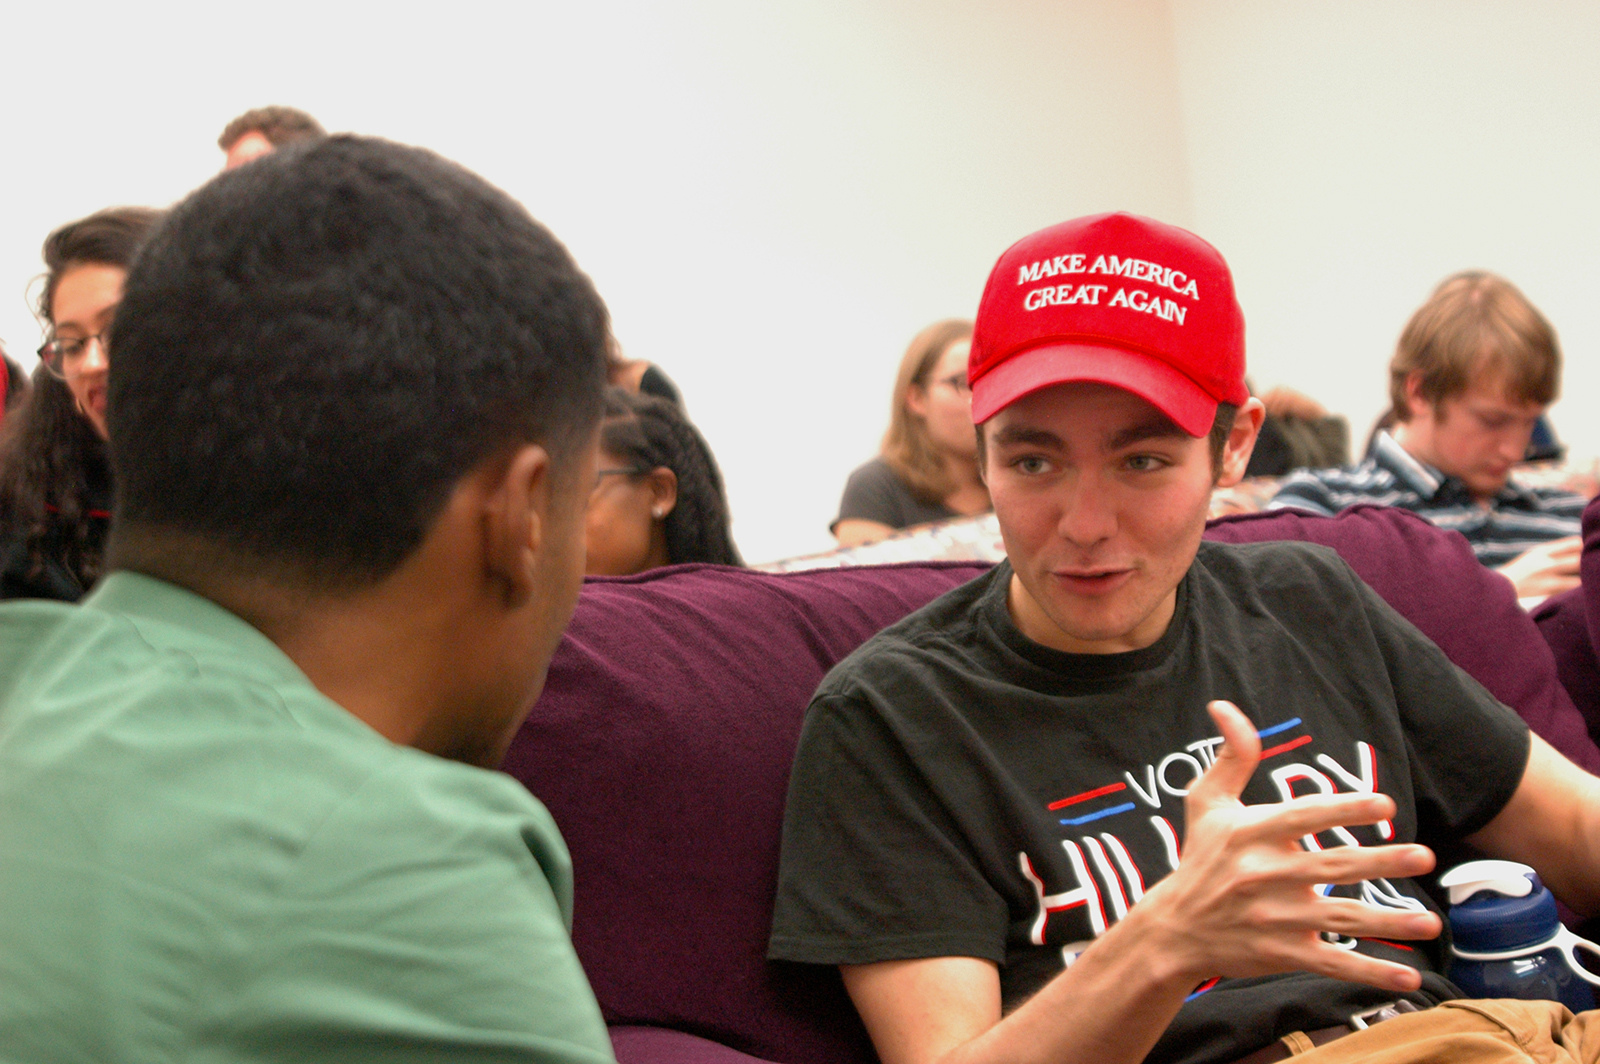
1241 441
663 491
516 515
1415 400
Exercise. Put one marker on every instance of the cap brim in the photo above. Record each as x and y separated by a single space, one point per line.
1175 395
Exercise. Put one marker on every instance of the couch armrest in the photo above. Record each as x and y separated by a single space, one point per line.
662 1045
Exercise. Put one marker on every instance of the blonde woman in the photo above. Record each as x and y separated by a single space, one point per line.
927 469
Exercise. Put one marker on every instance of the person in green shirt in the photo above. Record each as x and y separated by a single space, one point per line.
246 806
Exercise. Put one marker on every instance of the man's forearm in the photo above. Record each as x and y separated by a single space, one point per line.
1111 1006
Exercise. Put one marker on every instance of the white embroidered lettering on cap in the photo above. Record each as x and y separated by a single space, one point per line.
1132 268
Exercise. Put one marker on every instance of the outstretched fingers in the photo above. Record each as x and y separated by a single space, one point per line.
1236 762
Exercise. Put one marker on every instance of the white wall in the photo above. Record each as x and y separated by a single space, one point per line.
772 197
1346 155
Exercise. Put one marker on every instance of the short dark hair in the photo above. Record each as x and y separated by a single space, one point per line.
280 125
1221 429
651 433
313 350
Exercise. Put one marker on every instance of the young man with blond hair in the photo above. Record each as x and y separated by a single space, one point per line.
1476 368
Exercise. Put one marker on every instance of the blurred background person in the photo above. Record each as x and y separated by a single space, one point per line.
638 376
261 129
13 383
658 497
927 468
1474 372
1298 433
55 482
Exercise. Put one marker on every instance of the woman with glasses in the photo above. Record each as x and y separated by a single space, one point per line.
55 483
927 469
658 497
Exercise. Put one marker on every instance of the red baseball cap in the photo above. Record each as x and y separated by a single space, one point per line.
1117 299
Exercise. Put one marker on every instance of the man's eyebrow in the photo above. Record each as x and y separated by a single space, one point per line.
1024 436
1159 427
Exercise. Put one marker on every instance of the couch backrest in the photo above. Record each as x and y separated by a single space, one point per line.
1432 578
663 741
1570 623
662 746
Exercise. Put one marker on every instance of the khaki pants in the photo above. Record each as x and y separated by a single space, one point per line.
1466 1032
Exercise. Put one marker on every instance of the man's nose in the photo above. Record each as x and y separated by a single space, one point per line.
1514 444
1087 513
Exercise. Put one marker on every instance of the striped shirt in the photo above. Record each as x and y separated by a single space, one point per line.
1516 519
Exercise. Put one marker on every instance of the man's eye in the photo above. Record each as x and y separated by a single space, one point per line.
1030 465
1143 463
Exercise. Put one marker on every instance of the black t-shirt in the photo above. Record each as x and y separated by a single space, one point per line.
960 790
875 492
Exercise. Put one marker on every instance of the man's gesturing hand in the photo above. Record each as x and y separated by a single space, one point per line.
1243 901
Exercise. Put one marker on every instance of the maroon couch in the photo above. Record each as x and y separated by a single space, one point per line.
1570 623
663 741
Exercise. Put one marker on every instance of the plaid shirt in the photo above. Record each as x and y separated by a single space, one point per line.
1515 520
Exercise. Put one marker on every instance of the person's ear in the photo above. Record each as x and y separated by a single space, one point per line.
1247 422
663 485
516 518
1416 402
917 399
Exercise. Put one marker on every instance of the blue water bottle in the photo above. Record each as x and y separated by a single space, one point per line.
1508 941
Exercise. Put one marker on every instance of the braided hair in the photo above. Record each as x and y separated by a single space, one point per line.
652 433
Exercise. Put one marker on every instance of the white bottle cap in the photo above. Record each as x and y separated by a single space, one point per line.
1502 877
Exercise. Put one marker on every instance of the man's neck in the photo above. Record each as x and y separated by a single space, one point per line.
374 650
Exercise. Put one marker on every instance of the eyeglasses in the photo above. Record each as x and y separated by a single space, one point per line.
957 382
63 355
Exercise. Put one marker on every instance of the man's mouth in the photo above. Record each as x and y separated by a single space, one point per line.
1093 580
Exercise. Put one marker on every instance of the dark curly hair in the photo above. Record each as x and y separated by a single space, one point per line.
55 480
312 351
651 433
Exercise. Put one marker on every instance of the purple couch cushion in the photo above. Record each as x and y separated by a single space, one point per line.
1570 623
663 741
1432 579
662 745
661 1045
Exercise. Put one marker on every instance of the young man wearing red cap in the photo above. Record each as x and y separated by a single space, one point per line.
986 810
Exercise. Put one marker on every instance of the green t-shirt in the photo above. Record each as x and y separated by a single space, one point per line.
204 859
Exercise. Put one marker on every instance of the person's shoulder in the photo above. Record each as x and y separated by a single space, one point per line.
876 473
904 648
1327 491
1557 500
1271 565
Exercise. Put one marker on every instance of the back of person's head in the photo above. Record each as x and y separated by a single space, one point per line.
907 447
1475 325
280 125
314 350
651 433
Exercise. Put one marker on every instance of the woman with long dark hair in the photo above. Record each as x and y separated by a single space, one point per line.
927 468
55 481
658 497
